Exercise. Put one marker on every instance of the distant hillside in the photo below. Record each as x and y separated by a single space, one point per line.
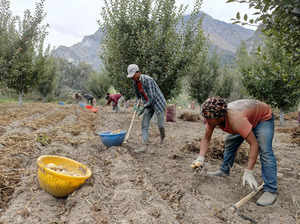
225 38
256 40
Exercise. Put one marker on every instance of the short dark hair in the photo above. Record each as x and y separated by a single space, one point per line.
214 107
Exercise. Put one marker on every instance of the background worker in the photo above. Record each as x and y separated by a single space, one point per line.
154 102
249 120
115 98
78 100
77 97
90 99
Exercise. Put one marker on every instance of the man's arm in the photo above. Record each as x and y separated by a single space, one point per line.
205 140
136 90
199 162
149 89
251 139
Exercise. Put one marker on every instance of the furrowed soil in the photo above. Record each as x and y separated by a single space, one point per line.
157 186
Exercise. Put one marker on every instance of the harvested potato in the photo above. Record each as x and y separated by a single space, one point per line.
196 165
116 131
51 165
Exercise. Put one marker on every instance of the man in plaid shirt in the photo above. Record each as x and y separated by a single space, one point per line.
154 102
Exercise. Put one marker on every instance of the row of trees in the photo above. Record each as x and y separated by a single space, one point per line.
157 36
165 43
25 64
21 41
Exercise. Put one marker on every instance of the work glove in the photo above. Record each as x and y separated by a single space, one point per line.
250 179
137 108
198 163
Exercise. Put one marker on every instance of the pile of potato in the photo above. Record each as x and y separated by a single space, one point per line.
61 169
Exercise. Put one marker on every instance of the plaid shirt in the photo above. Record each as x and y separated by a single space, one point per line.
156 99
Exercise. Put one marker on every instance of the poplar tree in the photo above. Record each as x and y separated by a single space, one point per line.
152 34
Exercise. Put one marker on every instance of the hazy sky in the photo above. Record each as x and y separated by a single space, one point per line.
71 20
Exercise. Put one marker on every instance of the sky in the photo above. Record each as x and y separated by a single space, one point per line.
71 20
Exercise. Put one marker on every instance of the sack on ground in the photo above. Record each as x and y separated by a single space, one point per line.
171 113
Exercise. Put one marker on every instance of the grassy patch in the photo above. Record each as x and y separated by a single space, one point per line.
7 100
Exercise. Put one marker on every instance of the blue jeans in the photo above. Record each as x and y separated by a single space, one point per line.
264 132
148 114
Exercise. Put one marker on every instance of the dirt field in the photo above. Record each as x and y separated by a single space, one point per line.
157 186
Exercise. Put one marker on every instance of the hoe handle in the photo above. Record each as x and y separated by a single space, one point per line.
247 197
131 123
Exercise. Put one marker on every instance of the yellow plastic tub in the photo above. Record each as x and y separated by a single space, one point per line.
58 183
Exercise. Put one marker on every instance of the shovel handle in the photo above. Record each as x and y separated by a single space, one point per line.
131 123
247 198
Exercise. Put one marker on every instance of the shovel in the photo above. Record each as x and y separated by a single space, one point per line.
225 213
245 199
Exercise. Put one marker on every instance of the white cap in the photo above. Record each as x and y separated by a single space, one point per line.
131 70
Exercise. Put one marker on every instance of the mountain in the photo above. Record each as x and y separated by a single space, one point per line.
225 38
256 40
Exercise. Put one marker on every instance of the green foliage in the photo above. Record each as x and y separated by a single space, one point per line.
203 74
224 84
72 76
43 139
152 34
281 21
46 69
20 47
99 84
19 42
271 76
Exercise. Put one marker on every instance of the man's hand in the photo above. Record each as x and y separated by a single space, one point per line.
147 105
198 163
136 108
141 111
250 179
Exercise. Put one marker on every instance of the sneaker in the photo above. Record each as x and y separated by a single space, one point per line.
218 173
266 199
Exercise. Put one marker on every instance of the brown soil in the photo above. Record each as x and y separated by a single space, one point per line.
157 186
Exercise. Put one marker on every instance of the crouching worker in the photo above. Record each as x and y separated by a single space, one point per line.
249 120
115 98
77 97
90 99
154 102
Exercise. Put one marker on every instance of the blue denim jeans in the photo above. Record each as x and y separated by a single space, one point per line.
148 114
264 132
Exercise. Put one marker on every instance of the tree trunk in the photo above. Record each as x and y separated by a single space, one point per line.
21 98
281 117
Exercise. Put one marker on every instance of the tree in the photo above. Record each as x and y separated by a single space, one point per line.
152 34
281 20
224 84
45 68
98 84
72 76
203 74
21 43
272 77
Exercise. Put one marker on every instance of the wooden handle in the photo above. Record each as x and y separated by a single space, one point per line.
131 124
247 197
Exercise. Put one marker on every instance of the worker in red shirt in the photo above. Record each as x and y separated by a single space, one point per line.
115 98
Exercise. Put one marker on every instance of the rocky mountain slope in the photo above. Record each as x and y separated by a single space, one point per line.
224 37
